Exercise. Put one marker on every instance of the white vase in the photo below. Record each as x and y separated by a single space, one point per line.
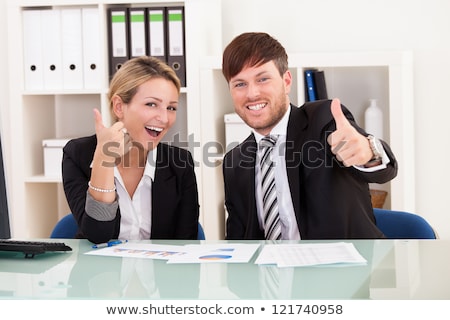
373 117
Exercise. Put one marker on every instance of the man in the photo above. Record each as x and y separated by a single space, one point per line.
310 180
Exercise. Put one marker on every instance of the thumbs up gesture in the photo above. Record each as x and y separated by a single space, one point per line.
349 146
112 142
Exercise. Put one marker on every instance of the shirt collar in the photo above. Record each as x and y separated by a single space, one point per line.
150 165
280 128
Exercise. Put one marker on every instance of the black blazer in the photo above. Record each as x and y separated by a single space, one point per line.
330 200
175 207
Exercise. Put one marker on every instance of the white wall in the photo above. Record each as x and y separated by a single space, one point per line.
422 26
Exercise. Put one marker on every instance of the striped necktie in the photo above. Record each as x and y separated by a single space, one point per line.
272 225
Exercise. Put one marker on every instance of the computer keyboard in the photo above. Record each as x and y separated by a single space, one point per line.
31 248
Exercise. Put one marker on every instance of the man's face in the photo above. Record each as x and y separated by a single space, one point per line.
260 95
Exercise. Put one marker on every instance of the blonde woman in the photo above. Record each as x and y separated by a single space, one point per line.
122 182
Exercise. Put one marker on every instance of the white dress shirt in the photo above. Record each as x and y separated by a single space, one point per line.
289 227
136 212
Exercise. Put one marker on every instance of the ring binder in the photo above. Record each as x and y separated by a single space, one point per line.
176 42
72 48
32 50
156 24
117 38
310 86
51 46
93 66
138 36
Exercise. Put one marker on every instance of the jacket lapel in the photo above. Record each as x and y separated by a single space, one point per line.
247 174
294 142
162 188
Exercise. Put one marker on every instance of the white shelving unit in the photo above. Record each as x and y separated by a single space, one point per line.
36 201
354 77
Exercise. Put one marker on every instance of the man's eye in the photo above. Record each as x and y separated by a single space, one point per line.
239 84
263 79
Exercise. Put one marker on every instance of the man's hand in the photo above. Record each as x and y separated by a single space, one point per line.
349 146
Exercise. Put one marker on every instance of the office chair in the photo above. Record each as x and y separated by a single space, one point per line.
66 228
403 225
200 233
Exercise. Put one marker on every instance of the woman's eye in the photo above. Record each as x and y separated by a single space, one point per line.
172 108
150 104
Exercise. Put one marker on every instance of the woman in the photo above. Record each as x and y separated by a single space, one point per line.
122 182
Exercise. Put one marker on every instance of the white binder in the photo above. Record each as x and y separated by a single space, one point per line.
157 33
92 64
136 18
32 50
72 48
51 49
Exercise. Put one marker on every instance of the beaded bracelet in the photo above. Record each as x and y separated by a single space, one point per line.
99 189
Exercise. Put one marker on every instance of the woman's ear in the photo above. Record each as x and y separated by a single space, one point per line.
117 105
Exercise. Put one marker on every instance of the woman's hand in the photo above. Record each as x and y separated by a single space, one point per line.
112 142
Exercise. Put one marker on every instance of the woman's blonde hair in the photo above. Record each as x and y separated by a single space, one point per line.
135 72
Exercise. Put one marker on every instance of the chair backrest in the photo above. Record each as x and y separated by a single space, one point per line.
403 225
200 233
66 228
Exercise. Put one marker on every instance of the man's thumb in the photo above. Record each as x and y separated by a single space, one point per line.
338 114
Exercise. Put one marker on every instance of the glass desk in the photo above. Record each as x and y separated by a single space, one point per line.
396 269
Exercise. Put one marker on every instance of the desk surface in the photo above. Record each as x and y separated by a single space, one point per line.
396 269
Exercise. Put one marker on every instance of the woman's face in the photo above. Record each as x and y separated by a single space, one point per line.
151 112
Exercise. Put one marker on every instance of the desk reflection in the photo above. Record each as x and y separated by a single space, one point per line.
46 276
399 269
116 277
316 282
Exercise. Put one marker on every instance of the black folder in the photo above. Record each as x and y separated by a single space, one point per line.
176 42
157 33
137 19
118 42
320 85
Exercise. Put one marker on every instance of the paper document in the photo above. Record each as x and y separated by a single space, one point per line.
193 253
216 253
140 250
311 254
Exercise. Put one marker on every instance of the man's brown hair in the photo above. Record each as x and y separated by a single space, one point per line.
253 49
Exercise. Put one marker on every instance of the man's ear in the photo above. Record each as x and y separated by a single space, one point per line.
287 78
117 105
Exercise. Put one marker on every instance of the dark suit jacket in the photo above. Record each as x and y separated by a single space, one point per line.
330 201
175 207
